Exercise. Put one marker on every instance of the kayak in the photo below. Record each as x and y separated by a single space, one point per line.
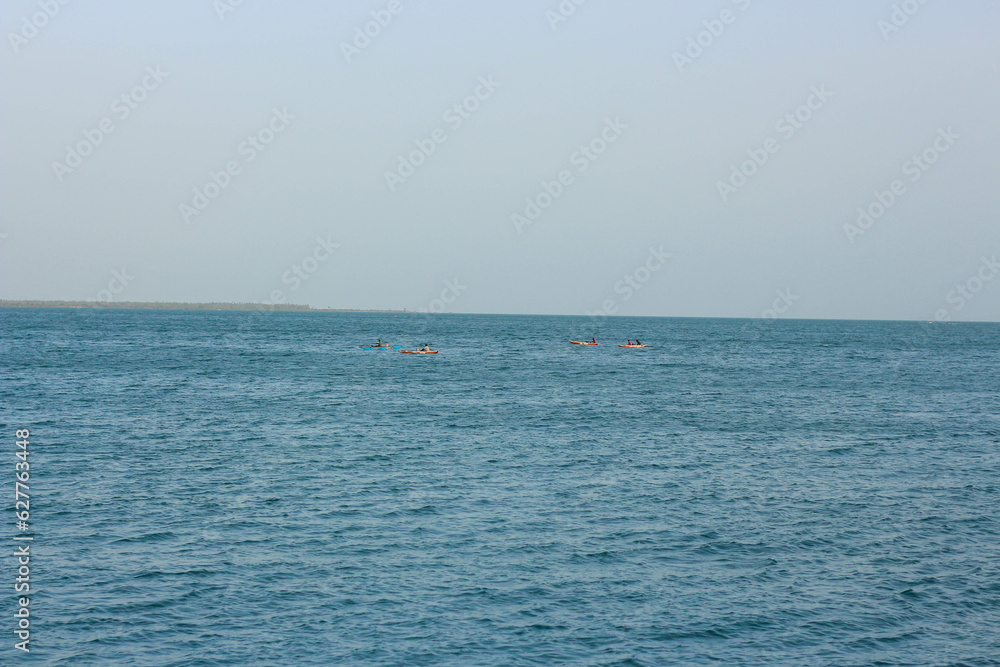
631 346
384 347
418 352
580 342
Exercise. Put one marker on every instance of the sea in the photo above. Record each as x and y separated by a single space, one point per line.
254 488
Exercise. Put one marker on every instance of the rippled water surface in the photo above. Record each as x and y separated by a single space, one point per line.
223 488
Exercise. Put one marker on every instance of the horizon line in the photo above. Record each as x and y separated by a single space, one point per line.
306 308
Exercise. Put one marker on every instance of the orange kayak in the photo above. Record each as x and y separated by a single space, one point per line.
418 352
631 346
580 342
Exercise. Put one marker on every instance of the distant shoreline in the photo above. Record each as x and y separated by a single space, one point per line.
180 305
303 308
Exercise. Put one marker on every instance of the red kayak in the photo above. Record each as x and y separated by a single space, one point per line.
580 342
631 346
418 352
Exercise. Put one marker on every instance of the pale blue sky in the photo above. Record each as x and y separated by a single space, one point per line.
656 185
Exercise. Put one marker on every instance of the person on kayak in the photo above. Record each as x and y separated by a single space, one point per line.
637 342
628 343
380 343
425 348
593 341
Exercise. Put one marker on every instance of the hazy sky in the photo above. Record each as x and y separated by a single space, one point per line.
115 115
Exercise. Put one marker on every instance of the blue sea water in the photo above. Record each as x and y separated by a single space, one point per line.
226 488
